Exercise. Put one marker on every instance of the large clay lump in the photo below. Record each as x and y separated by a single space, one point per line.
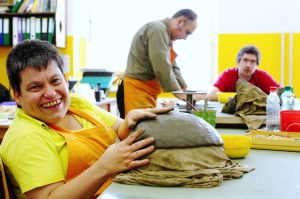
180 130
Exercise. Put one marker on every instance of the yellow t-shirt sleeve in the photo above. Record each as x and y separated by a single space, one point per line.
45 165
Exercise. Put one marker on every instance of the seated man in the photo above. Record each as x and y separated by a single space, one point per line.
247 59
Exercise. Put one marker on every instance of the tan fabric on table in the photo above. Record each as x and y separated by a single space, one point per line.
205 166
250 104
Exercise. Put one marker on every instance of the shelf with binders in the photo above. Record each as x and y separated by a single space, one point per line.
17 27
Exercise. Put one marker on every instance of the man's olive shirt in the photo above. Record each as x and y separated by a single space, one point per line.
149 57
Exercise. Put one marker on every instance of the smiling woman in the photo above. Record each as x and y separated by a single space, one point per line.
198 53
53 141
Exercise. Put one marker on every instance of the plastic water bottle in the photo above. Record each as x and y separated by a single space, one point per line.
273 111
287 98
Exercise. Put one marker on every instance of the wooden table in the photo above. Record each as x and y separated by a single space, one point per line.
3 128
222 119
107 103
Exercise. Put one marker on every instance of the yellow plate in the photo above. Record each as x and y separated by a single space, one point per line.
236 146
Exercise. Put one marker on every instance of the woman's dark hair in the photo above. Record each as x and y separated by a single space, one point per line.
30 53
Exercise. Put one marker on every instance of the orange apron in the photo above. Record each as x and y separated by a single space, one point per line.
142 94
86 146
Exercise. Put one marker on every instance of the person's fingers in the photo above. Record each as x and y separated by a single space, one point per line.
148 115
141 144
132 122
139 153
133 159
160 110
133 136
138 163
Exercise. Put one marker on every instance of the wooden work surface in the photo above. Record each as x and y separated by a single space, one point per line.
107 103
221 118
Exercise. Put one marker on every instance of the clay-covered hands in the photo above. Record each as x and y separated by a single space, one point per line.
125 155
138 115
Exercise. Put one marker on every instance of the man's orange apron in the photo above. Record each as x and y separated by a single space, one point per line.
142 94
86 146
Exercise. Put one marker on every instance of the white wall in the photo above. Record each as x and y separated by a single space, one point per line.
259 16
114 22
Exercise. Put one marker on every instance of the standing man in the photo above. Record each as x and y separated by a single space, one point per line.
151 66
247 60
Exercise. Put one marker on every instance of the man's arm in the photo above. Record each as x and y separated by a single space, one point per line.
118 157
212 95
179 77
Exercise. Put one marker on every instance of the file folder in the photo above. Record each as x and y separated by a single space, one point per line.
44 35
21 29
51 27
38 28
27 29
32 27
1 31
15 30
6 32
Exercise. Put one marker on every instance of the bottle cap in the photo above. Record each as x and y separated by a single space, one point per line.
288 88
273 88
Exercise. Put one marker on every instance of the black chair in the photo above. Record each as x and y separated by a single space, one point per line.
4 94
120 100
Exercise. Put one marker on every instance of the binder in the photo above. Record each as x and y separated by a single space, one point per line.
6 32
52 5
21 29
51 27
32 27
27 28
38 28
15 27
1 31
44 35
